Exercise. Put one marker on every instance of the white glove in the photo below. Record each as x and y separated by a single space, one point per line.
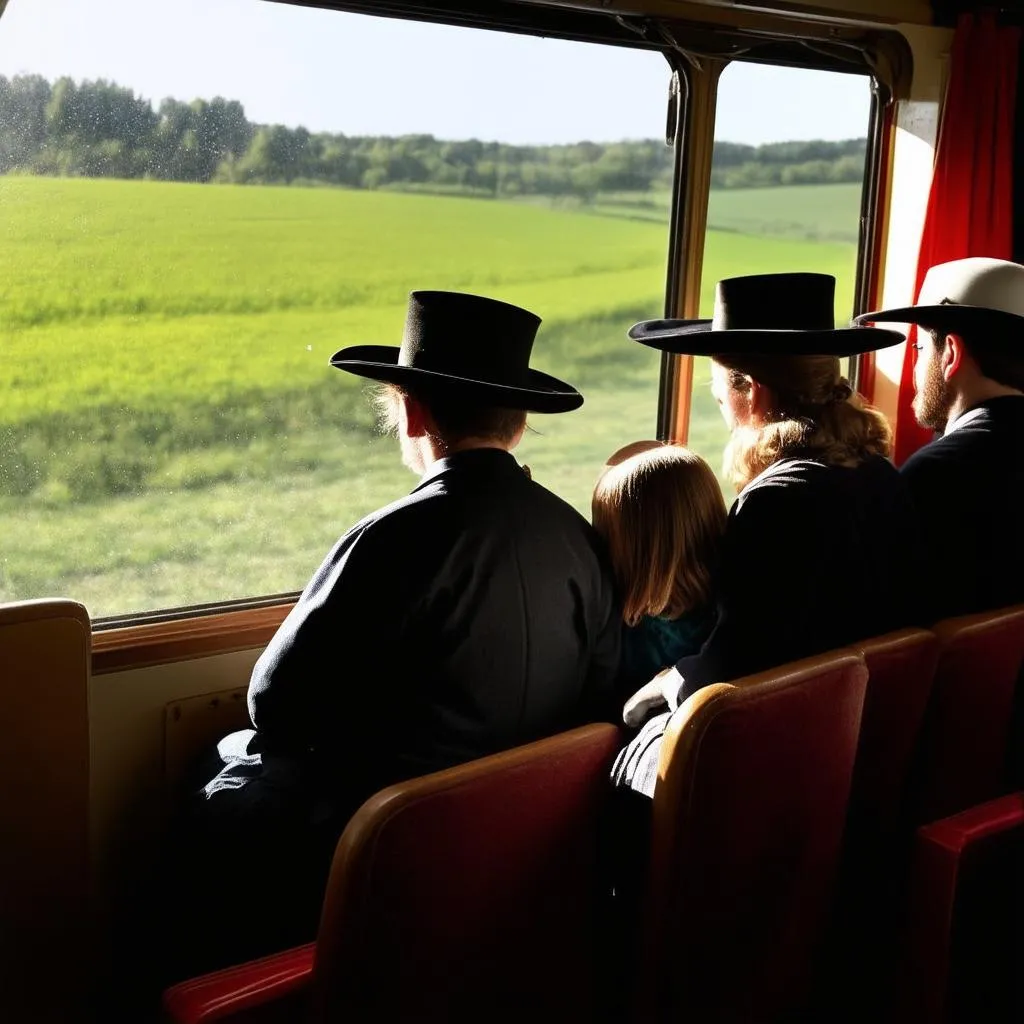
662 691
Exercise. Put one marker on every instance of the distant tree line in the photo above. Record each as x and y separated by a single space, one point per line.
734 165
100 129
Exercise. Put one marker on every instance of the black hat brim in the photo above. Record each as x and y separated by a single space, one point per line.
380 362
696 338
950 317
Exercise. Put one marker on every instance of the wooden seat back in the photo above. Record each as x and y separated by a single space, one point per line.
876 846
966 738
473 893
45 875
965 927
749 811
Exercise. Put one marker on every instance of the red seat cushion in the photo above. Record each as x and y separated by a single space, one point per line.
966 918
273 988
877 843
965 744
749 814
472 894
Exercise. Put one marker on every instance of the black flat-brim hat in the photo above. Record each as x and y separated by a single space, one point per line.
469 344
780 314
981 295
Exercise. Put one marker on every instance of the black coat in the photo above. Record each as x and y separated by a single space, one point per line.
967 487
814 557
475 614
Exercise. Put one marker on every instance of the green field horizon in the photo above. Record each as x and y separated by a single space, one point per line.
171 433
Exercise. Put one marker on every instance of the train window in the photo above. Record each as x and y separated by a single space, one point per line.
201 202
786 178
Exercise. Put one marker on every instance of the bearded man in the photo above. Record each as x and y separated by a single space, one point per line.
969 388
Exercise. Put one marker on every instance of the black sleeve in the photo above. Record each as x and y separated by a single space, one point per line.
321 674
927 482
924 478
603 698
767 586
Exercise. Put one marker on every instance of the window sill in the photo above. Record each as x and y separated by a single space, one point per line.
161 643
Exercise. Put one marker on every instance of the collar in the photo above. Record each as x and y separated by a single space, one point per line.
964 418
471 460
979 410
781 466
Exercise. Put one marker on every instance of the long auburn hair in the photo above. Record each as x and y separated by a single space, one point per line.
814 414
662 515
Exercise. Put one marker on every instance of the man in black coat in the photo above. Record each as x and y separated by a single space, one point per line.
473 615
969 387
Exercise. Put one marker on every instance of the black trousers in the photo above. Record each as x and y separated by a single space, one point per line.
247 863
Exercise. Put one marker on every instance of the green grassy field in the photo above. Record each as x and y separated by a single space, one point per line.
171 432
819 213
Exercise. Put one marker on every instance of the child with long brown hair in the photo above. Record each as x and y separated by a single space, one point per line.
660 511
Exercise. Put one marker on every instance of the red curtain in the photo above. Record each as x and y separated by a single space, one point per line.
970 207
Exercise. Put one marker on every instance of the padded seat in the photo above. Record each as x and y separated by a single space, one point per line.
749 811
44 810
471 894
877 843
966 740
901 672
965 937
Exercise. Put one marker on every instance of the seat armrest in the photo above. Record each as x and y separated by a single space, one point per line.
953 834
269 989
959 905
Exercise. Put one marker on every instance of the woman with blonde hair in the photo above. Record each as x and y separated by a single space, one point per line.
819 548
660 511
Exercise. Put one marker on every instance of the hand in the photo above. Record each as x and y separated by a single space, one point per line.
662 690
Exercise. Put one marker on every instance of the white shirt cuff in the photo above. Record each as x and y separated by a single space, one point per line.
672 687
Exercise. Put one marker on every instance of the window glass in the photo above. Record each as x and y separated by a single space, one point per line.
786 179
202 202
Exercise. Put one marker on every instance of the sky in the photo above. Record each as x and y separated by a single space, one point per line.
363 75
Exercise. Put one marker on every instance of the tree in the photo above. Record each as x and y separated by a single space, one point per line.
276 154
99 111
23 128
221 132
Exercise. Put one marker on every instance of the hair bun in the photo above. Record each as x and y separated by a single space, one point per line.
841 392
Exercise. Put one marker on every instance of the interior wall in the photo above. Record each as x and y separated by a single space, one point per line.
126 738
